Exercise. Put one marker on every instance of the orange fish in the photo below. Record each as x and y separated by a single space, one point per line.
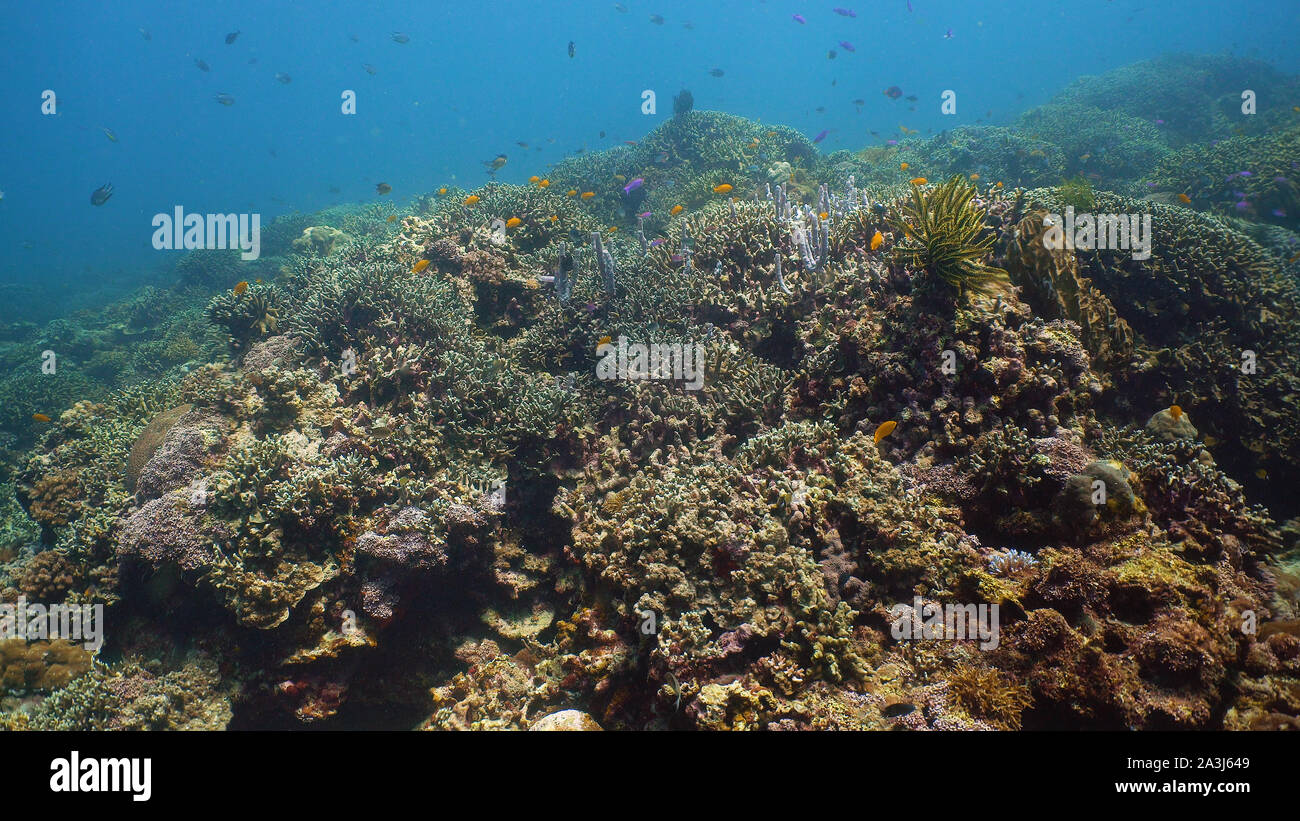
40 417
240 287
1184 199
722 189
1176 412
420 266
442 191
586 195
572 192
534 179
997 185
472 199
877 240
613 228
974 177
544 184
554 218
824 215
885 429
903 166
514 222
677 209
919 181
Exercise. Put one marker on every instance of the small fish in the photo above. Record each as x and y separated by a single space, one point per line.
1261 474
620 8
900 709
847 46
1244 174
572 49
633 185
821 136
553 218
383 188
225 99
620 178
108 132
145 34
283 78
40 417
893 92
1184 199
391 218
572 192
369 68
399 37
1176 412
843 12
884 429
514 222
661 158
101 194
202 65
230 38
824 215
656 242
911 98
877 240
613 229
723 188
974 177
240 287
496 162
1279 213
947 35
903 166
534 179
522 144
644 215
656 19
831 55
798 18
716 72
676 209
442 191
544 184
586 195
919 181
471 200
1241 206
420 266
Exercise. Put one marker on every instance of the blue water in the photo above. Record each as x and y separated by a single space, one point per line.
476 78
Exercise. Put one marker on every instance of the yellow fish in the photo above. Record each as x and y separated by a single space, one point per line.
676 209
442 191
572 192
391 218
884 430
1175 412
877 240
1261 473
613 228
903 166
586 195
472 199
544 184
40 417
620 178
534 179
554 218
722 189
514 222
240 287
420 266
919 181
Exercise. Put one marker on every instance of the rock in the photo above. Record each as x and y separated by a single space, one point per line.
150 439
566 720
1166 427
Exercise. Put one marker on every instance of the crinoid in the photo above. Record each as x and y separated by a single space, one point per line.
248 315
942 235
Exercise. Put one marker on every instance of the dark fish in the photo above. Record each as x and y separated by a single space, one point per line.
897 710
354 38
821 136
225 99
230 38
821 109
282 77
334 189
893 92
145 34
656 19
521 144
859 102
602 135
383 188
911 98
399 37
847 46
202 65
369 68
101 194
717 72
844 12
571 49
830 55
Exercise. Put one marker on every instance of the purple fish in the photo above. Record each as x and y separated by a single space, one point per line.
909 6
798 18
1278 212
676 258
1151 185
1242 205
633 185
948 35
1243 173
847 46
844 12
891 142
1231 177
1159 121
1280 179
655 243
644 214
821 136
